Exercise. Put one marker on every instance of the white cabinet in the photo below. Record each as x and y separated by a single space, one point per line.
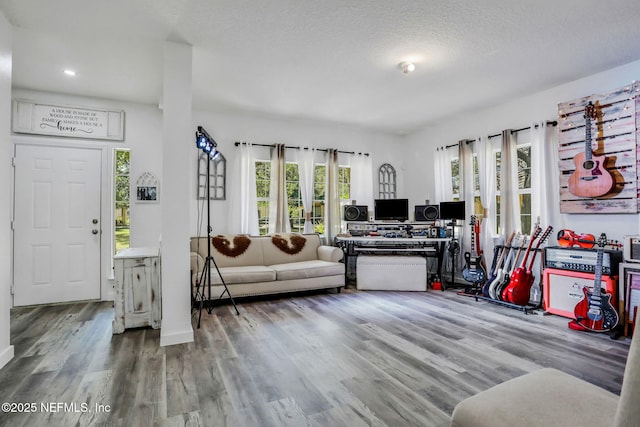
138 298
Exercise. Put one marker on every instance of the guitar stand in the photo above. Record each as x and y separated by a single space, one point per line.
472 290
454 252
526 309
614 333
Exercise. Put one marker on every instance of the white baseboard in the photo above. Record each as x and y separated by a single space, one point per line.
109 294
174 338
6 355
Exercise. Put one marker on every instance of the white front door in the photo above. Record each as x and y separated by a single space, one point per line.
56 224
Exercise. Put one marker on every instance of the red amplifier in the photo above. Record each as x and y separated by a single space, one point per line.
562 290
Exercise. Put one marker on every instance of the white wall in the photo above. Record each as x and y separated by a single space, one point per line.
226 129
6 350
143 136
518 113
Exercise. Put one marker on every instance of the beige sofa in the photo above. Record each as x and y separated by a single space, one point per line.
260 265
552 398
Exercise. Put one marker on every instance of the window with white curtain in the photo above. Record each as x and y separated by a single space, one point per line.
523 143
294 197
263 185
524 181
455 183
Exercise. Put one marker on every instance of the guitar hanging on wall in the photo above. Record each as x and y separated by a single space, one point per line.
594 312
591 178
473 270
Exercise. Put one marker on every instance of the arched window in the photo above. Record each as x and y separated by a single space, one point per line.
217 177
387 181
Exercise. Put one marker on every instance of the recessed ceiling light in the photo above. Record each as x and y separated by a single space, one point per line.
70 73
407 67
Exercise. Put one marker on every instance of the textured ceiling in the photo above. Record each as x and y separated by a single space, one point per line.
333 60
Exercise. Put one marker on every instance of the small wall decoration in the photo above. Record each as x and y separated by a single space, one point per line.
147 189
387 182
217 177
598 152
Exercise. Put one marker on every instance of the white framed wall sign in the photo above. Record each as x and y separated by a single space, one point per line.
67 121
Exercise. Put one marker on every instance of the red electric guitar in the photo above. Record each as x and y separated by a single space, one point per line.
591 178
476 233
519 289
523 266
594 312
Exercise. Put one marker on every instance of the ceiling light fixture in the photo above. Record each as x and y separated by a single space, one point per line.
70 73
407 67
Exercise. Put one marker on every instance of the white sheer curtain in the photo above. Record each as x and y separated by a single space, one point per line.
361 179
442 169
278 207
243 206
487 181
306 169
509 197
545 203
332 197
467 190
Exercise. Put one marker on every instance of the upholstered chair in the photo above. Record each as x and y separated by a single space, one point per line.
551 398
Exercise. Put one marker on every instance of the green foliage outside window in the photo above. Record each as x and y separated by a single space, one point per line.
524 187
294 195
122 199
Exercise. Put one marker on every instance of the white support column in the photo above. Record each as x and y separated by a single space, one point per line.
6 152
178 140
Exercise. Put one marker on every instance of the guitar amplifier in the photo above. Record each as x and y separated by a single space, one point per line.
562 290
582 260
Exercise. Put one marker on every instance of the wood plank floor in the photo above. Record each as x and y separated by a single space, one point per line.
348 359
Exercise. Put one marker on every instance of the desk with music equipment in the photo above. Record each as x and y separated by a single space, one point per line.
354 246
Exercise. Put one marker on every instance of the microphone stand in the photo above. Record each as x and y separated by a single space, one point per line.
453 253
205 276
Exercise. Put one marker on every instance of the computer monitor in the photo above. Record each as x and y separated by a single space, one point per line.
452 210
391 209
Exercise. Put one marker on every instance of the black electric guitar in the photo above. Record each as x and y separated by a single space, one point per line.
473 271
595 312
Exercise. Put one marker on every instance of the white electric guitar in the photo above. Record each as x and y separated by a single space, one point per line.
509 265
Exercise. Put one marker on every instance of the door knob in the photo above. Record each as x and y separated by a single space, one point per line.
95 220
94 231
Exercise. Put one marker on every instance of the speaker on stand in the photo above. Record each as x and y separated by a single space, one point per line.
426 212
356 213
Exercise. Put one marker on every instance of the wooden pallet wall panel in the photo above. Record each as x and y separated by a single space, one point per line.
613 135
